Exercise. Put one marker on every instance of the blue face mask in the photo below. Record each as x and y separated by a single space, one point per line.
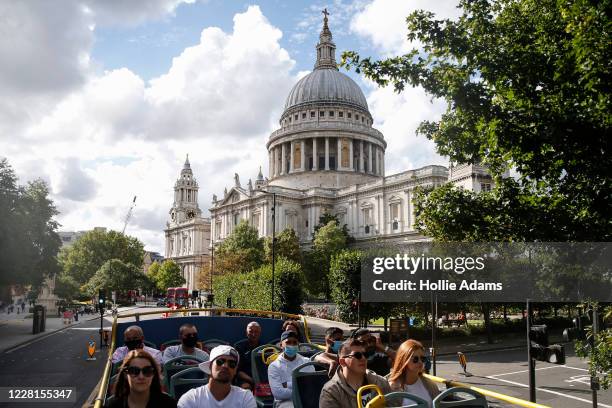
336 346
291 351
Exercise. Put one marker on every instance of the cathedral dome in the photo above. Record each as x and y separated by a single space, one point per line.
326 85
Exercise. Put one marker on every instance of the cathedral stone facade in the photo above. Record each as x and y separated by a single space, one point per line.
187 232
327 157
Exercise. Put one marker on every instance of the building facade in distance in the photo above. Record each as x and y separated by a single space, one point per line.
187 232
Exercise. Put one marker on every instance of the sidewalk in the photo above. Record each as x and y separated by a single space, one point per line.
444 346
16 329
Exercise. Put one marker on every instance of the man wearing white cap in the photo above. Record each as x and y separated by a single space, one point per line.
219 392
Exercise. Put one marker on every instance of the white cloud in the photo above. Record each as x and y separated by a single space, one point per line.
111 136
383 22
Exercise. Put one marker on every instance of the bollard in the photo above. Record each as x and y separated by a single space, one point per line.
91 350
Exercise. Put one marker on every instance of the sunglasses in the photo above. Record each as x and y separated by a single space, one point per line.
221 361
135 371
416 359
358 355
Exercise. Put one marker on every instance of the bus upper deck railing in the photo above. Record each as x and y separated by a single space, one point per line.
492 394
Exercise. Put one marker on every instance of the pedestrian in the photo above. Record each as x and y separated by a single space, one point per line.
76 315
22 306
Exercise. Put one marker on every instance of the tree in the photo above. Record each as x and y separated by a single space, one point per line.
86 256
167 275
28 239
328 240
116 275
241 251
325 218
287 246
526 85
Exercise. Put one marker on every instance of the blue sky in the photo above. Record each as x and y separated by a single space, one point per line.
104 99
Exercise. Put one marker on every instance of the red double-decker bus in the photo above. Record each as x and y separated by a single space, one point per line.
177 297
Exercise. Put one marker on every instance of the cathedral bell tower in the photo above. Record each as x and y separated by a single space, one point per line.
185 206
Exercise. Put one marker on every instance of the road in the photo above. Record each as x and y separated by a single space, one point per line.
562 386
57 360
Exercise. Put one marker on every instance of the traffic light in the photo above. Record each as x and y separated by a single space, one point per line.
101 300
541 350
229 302
194 294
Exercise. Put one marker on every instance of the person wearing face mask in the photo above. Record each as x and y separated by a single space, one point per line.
133 338
334 337
279 372
407 372
188 334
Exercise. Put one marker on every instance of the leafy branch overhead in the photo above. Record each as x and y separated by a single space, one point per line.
526 87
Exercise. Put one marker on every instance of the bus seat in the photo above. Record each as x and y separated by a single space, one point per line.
458 394
185 380
263 393
212 343
166 344
171 367
308 349
150 344
307 386
396 399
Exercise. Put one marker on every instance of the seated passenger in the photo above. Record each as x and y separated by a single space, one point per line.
279 372
341 390
407 372
188 334
244 378
334 337
139 384
219 392
133 337
380 358
291 325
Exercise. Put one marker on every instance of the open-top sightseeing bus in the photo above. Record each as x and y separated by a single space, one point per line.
227 326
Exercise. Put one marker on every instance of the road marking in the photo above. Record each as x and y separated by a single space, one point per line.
541 368
492 377
35 340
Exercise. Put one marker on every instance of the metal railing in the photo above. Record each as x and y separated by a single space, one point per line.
492 394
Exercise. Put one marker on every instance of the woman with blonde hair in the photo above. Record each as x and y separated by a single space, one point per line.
406 374
139 384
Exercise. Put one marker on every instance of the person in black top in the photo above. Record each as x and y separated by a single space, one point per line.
139 384
380 358
244 378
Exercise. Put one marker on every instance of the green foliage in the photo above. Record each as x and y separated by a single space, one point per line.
526 85
345 282
67 288
241 251
328 240
600 356
287 246
167 275
252 290
115 275
325 218
28 239
86 256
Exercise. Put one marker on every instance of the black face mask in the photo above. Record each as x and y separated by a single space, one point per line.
190 341
133 344
370 351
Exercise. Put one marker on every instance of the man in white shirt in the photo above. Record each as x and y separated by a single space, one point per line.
279 372
219 392
188 334
133 337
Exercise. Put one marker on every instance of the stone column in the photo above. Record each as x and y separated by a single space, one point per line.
339 153
351 164
361 156
370 158
303 143
315 158
382 162
283 157
327 153
292 150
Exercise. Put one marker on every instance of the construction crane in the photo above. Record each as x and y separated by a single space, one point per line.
129 215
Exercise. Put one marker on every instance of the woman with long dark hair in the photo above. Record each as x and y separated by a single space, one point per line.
406 374
139 384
